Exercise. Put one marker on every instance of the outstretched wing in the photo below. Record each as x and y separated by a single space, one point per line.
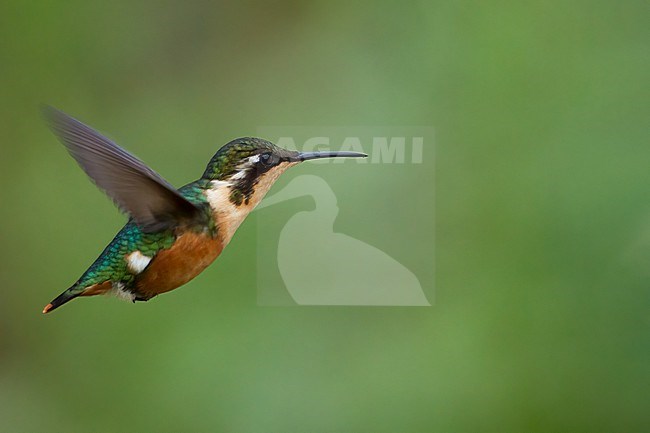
136 189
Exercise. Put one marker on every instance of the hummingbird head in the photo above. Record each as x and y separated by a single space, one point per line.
243 171
250 156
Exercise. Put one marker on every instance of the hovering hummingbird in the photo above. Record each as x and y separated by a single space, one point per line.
172 235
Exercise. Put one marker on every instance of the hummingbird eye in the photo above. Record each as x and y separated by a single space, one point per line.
266 159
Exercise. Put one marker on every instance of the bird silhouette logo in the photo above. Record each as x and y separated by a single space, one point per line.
350 271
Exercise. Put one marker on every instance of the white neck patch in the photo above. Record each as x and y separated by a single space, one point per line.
227 214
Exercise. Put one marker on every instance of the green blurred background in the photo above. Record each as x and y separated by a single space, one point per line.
542 228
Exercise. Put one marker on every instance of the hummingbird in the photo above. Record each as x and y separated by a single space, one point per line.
172 234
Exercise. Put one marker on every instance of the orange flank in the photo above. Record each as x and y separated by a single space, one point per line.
190 254
97 289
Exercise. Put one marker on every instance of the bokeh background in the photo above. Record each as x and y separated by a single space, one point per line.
541 191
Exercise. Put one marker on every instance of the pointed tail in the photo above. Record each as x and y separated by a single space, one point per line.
64 297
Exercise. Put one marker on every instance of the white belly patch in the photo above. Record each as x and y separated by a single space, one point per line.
137 262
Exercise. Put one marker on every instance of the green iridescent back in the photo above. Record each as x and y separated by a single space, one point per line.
111 265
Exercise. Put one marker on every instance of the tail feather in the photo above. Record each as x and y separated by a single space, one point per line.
64 297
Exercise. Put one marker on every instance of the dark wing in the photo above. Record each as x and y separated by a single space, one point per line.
136 189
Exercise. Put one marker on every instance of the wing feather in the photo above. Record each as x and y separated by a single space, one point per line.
136 189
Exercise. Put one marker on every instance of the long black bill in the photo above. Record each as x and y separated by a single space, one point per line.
306 156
